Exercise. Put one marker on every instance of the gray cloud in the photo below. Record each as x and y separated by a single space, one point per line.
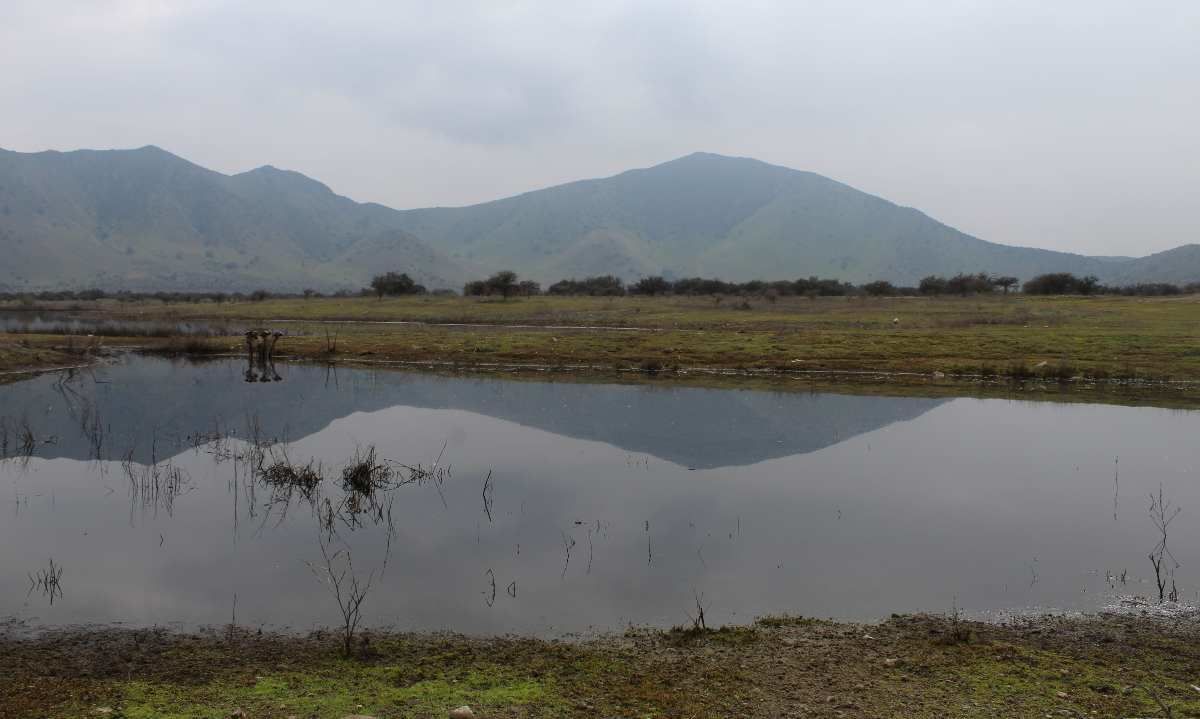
1067 125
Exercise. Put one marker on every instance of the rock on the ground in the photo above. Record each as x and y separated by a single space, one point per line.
463 712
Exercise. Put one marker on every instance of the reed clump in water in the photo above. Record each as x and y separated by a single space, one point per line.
365 474
48 581
304 477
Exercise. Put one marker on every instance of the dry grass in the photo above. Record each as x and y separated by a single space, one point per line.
1050 338
17 355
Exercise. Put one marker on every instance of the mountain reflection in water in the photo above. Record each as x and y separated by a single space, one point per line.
154 492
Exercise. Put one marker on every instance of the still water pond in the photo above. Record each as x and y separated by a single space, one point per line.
552 507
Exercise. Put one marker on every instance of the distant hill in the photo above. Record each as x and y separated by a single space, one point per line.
1180 265
146 219
741 219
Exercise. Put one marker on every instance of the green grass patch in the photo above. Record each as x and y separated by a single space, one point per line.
343 689
1034 682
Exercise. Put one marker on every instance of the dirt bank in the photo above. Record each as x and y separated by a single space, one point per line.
908 666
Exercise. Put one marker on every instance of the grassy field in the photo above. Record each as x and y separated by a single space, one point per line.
16 355
906 667
1100 338
695 312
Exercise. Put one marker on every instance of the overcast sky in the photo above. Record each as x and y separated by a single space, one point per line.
1068 124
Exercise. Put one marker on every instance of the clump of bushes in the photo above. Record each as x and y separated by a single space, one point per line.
600 286
1062 283
505 283
964 284
395 284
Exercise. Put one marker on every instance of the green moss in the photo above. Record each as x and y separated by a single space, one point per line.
374 690
1039 681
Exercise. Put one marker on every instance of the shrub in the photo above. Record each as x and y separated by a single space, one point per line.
650 286
600 286
395 284
962 284
879 288
502 283
932 285
1061 283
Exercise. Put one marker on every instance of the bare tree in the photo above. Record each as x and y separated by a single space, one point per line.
349 592
1161 513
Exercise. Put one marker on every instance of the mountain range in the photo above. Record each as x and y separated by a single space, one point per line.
146 219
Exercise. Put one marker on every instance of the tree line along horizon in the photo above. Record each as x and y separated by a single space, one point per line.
507 283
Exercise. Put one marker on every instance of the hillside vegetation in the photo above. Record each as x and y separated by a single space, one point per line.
740 219
148 220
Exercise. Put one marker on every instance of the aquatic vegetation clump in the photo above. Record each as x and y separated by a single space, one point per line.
283 473
366 474
154 485
48 581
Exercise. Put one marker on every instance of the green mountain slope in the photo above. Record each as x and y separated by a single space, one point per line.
738 219
146 219
1180 265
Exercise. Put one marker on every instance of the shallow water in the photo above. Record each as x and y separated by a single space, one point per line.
606 504
79 324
